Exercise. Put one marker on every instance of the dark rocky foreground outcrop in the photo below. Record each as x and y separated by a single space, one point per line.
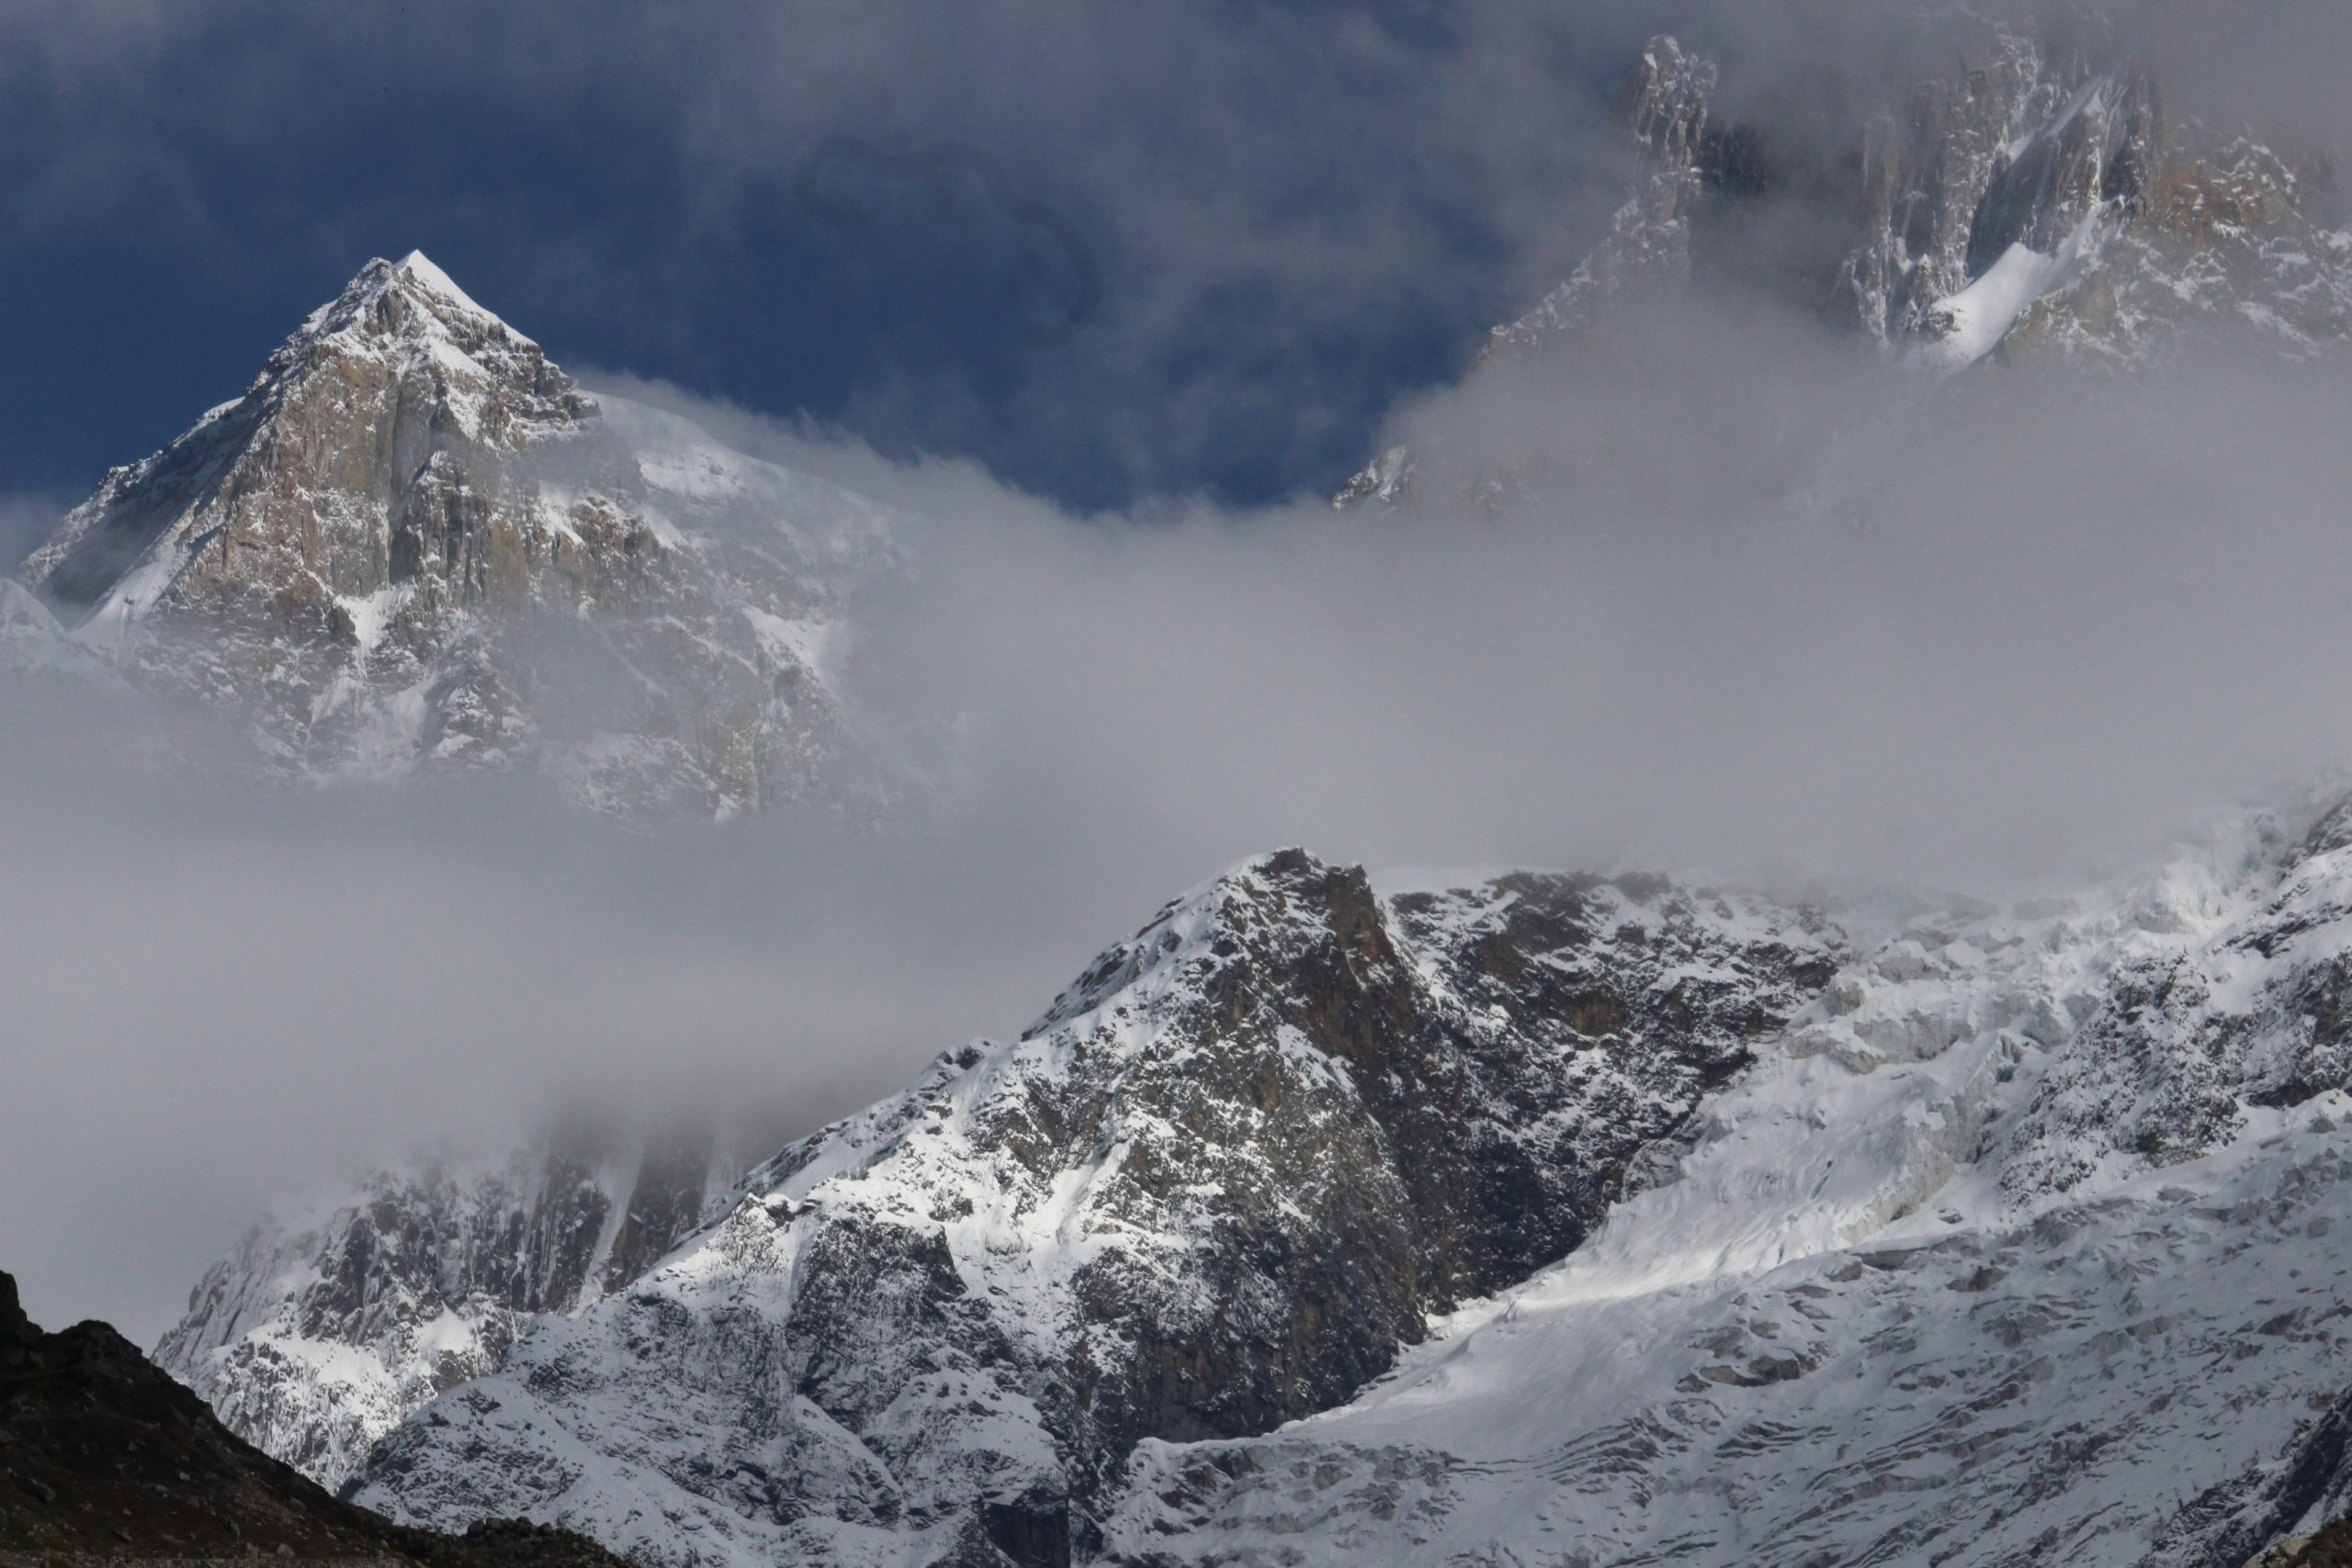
103 1458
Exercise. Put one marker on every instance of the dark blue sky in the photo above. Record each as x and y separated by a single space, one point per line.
1115 253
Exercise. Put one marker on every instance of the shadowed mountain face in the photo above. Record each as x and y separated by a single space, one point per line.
2022 1246
103 1456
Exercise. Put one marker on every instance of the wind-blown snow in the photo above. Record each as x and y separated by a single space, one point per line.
386 532
33 646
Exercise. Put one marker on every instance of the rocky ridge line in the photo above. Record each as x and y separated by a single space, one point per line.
1244 1159
2020 1246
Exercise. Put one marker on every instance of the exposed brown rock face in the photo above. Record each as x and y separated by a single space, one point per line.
299 492
414 544
103 1458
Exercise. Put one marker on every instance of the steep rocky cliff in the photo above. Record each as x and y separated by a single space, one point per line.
2031 193
414 544
1248 1157
331 1323
2023 1245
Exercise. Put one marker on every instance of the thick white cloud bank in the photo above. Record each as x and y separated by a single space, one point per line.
1758 610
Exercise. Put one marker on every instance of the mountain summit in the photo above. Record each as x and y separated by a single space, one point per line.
415 544
302 490
1553 1220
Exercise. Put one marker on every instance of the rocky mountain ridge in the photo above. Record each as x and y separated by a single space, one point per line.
2018 1247
2036 197
1243 1160
325 1327
414 544
1554 1220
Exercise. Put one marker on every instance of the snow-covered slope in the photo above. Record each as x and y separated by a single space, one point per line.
338 1317
2023 1245
1227 1174
414 544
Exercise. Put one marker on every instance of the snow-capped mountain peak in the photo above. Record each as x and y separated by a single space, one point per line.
1553 1219
2015 1247
382 556
419 268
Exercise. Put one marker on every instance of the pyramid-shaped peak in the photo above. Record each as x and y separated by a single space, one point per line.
419 268
399 365
442 304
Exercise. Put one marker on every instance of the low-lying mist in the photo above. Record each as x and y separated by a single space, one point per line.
1723 594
